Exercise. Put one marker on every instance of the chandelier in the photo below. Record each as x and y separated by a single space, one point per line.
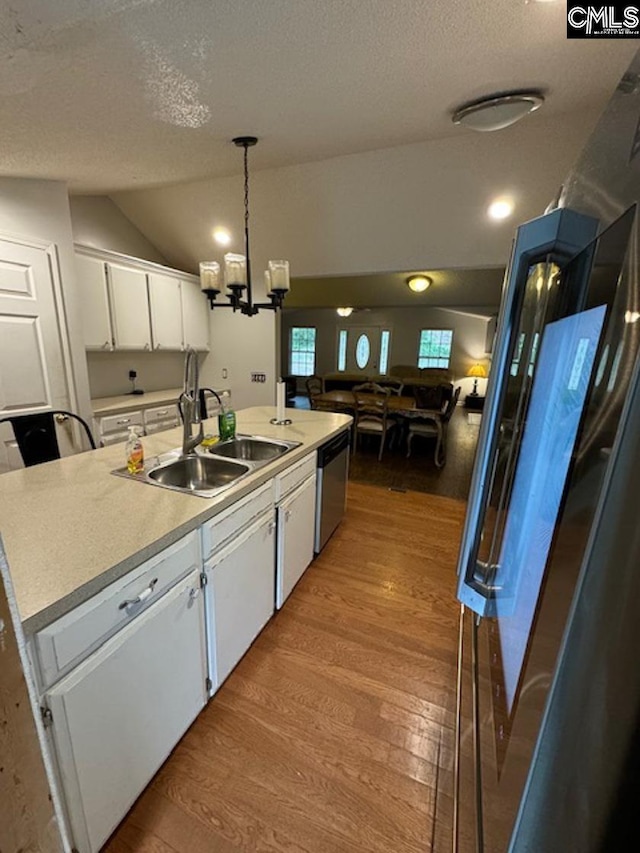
237 268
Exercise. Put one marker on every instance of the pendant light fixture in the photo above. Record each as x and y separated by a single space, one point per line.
237 268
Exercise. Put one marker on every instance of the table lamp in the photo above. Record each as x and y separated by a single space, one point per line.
478 371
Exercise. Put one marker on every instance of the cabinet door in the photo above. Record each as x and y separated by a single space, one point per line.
94 299
129 307
195 313
240 595
118 715
166 311
296 525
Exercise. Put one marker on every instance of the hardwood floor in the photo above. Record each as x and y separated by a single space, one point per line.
335 732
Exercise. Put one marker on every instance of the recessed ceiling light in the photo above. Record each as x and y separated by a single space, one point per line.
222 236
419 283
497 111
501 208
344 312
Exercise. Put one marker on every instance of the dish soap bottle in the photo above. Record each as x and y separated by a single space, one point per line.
227 424
135 452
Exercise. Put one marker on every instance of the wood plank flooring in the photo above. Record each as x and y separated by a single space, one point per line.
335 732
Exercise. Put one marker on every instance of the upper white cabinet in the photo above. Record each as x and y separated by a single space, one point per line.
96 319
195 316
131 304
129 307
166 311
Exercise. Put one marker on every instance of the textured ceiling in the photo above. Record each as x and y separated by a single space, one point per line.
122 94
478 289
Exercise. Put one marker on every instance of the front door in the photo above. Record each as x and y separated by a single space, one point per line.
33 372
363 350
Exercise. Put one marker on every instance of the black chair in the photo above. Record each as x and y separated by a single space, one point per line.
36 435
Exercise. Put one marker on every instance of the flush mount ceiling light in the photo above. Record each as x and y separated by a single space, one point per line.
419 283
237 268
498 111
344 312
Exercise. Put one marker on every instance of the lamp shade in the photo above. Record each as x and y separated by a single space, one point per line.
478 371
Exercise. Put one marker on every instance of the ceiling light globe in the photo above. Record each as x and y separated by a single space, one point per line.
497 112
419 283
499 209
344 312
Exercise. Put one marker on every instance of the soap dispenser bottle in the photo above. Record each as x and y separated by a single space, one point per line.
227 423
134 452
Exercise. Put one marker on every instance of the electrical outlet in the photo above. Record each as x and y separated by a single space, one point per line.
258 377
132 374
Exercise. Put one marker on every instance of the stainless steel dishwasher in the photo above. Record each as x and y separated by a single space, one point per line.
331 487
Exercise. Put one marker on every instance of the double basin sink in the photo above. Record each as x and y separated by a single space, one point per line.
211 470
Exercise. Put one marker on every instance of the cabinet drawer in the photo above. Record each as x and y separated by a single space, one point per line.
120 423
221 528
161 414
63 644
292 477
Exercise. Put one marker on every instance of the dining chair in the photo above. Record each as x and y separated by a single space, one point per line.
314 386
430 426
393 383
372 413
35 435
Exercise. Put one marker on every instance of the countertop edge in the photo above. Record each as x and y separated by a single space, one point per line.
37 621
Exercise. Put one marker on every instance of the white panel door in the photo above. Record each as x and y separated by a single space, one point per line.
118 715
240 595
33 371
96 316
166 311
296 527
129 307
195 312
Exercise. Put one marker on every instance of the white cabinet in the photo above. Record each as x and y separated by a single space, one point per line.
94 298
118 715
240 583
129 307
165 300
296 520
195 316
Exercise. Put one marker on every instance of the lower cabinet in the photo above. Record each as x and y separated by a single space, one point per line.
117 716
239 590
296 527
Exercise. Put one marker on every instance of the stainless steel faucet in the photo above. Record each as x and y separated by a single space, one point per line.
190 403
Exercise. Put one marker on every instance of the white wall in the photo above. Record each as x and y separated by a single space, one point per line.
96 221
40 209
469 336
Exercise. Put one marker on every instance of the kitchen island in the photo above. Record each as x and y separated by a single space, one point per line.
137 602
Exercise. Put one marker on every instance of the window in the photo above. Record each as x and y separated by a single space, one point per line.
363 351
435 347
384 351
342 349
302 351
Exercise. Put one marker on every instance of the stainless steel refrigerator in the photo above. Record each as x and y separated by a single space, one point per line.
547 745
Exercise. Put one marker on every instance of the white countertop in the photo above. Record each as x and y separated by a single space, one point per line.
104 405
70 527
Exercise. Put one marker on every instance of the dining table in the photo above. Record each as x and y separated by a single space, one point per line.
397 404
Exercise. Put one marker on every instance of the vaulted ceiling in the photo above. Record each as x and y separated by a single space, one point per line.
123 94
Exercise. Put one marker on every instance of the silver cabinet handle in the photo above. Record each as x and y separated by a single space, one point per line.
163 412
123 421
146 593
271 527
106 345
193 593
287 514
